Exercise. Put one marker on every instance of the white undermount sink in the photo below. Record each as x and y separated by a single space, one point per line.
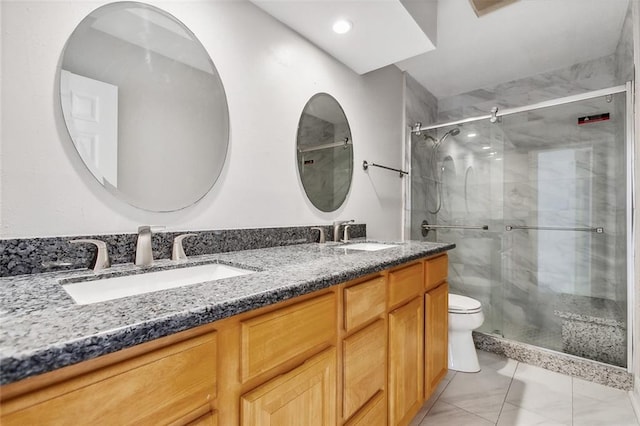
87 292
367 246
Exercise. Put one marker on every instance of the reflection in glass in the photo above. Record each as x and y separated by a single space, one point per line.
144 106
325 152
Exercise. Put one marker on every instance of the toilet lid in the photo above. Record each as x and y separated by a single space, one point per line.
458 303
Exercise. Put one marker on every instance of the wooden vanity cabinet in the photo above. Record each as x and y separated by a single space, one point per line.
436 332
304 396
275 337
174 384
406 342
302 335
436 324
366 352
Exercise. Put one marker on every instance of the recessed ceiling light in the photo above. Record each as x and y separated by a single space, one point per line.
342 26
472 135
486 147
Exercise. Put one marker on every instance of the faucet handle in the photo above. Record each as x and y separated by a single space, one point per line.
178 251
151 228
323 235
345 237
102 258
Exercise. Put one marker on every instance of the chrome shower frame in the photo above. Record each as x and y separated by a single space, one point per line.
628 89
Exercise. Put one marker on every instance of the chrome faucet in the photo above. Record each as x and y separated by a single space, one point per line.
177 252
144 253
102 255
345 237
336 228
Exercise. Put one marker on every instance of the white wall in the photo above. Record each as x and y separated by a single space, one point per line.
269 73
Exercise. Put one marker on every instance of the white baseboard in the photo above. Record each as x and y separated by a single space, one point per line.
635 403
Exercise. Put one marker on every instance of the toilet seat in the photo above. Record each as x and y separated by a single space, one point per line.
463 305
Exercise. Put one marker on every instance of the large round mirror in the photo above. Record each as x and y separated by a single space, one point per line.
325 152
144 106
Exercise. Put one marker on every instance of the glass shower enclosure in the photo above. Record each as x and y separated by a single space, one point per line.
536 202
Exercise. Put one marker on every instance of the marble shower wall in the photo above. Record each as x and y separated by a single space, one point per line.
624 50
420 106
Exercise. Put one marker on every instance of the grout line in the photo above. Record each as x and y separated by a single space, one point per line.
435 400
504 401
440 395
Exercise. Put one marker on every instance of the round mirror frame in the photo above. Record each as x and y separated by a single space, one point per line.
162 131
324 152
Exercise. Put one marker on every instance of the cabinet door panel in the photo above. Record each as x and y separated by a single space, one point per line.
363 302
405 283
364 360
436 271
162 386
303 396
373 414
436 317
276 337
405 361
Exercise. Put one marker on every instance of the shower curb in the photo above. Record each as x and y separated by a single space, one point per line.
593 371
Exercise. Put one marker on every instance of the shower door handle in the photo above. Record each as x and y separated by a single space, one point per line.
483 227
597 230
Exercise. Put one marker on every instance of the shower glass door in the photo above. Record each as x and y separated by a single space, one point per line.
456 192
564 236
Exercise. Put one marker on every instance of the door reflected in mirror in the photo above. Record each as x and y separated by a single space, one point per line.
325 152
144 106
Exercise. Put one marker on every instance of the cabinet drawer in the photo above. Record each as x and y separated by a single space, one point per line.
373 414
363 302
279 336
364 366
162 386
405 284
436 271
304 396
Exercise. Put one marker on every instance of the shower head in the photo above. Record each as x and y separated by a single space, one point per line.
453 132
436 142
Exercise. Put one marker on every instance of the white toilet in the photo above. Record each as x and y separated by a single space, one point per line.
465 315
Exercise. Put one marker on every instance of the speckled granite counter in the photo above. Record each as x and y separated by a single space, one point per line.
42 329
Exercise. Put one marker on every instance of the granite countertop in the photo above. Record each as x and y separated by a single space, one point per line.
42 329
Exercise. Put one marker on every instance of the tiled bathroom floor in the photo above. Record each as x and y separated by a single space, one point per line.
510 393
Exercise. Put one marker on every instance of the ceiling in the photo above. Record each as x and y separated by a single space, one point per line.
522 39
383 32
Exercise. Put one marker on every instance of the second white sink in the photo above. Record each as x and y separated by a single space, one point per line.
87 292
367 246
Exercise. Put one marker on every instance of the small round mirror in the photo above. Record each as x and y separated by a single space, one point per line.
325 152
144 106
